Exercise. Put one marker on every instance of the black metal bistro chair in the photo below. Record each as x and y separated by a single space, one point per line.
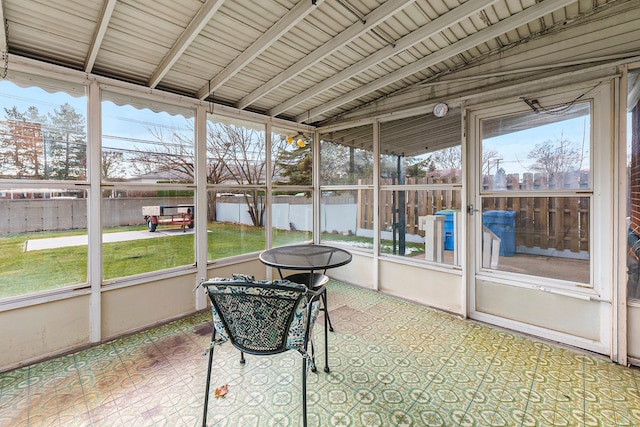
263 318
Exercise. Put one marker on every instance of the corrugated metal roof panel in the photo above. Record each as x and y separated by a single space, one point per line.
58 31
141 33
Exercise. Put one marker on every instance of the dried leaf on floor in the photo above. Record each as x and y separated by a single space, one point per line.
221 391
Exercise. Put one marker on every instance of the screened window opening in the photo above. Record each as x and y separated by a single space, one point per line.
543 159
148 201
43 144
346 179
292 179
44 134
236 175
420 188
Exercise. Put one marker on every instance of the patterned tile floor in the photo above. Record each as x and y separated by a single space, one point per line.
393 363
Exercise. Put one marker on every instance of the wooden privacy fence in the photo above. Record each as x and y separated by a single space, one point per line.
546 223
416 202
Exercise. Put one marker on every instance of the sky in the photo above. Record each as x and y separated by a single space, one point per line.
126 122
513 148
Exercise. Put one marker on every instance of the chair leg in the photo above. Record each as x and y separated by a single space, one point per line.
326 334
206 390
242 357
313 356
326 309
304 392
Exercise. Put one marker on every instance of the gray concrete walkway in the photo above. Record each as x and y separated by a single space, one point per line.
60 242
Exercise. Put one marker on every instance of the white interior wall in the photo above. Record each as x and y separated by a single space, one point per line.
35 332
438 288
358 272
132 308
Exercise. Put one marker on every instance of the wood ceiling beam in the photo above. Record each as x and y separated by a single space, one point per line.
288 21
372 20
196 25
103 22
508 24
448 19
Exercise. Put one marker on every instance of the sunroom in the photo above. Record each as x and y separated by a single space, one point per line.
476 157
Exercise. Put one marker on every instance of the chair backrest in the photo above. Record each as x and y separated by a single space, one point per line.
261 317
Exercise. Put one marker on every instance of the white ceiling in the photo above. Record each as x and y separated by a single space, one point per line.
301 60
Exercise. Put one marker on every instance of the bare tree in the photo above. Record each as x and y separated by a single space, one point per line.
113 164
451 158
448 158
235 155
418 168
553 158
239 156
489 158
171 154
333 167
217 172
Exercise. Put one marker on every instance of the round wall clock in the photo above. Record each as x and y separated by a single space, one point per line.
440 110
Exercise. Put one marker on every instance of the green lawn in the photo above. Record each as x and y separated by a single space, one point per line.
27 272
24 272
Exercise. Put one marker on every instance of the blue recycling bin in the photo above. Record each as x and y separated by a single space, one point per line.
503 225
449 242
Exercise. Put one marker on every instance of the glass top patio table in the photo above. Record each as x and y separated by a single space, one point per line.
305 257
